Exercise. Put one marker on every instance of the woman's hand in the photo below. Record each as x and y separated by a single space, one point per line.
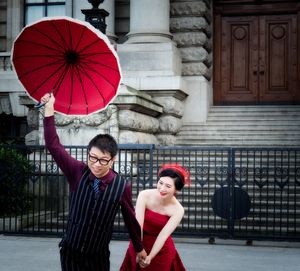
145 262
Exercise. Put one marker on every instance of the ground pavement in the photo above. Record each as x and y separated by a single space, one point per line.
19 253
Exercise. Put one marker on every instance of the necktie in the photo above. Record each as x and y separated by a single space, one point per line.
96 186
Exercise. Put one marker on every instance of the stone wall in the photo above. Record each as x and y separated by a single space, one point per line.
161 83
190 25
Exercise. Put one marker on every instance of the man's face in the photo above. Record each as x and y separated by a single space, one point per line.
99 162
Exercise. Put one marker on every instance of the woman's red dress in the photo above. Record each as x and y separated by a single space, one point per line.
166 260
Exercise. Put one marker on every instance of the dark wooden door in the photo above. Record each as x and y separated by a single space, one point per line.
258 59
277 65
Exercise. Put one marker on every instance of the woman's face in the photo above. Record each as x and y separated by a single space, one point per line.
166 187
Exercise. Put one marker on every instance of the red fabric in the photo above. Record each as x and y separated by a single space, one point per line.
166 260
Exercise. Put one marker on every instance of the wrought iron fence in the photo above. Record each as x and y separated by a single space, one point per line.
241 193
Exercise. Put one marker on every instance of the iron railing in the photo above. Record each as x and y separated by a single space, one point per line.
238 193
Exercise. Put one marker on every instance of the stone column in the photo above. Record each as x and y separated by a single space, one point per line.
109 6
149 21
149 50
14 21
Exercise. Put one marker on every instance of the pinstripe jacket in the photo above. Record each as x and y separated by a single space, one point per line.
85 209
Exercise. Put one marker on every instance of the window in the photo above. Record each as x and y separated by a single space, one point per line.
3 25
37 9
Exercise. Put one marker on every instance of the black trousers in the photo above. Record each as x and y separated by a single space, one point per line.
76 261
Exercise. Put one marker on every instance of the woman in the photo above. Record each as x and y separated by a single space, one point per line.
159 213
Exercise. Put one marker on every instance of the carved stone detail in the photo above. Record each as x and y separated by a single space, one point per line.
189 23
194 54
169 124
166 140
196 69
195 38
32 138
93 120
138 122
171 105
5 106
188 8
33 119
130 137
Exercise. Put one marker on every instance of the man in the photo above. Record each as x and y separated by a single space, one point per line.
96 191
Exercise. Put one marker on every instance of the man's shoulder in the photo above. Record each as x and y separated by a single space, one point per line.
122 179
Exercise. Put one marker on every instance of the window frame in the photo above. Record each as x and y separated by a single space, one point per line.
45 4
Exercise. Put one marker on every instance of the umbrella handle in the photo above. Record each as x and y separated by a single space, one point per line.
39 105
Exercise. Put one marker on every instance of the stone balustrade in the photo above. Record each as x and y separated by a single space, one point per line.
5 63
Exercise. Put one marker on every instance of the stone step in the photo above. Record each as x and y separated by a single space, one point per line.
219 126
242 127
252 121
255 115
241 136
245 126
271 108
236 143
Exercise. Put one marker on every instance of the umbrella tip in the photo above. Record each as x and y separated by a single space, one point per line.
71 57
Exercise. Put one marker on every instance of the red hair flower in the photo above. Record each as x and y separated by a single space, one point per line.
185 174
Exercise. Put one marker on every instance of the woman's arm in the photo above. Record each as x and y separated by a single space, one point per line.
140 215
165 233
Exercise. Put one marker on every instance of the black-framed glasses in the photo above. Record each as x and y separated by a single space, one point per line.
102 161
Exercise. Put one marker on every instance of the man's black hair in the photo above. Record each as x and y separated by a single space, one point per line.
105 143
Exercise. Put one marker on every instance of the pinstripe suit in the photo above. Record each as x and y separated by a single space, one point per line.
90 225
85 245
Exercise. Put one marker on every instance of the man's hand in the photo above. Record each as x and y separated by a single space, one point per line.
142 254
49 100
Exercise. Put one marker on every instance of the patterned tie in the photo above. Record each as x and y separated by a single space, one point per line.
96 186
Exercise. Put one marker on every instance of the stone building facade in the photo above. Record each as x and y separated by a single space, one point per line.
165 53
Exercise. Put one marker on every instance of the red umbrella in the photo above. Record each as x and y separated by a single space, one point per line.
70 58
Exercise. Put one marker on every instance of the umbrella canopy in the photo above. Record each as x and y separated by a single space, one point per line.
70 58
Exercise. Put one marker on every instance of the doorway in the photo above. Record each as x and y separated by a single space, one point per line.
256 59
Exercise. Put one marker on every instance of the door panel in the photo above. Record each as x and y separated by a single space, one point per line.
239 59
278 61
258 59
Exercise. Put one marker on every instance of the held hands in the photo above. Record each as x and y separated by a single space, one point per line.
141 257
145 262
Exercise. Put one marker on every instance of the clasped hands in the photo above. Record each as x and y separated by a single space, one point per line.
143 259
